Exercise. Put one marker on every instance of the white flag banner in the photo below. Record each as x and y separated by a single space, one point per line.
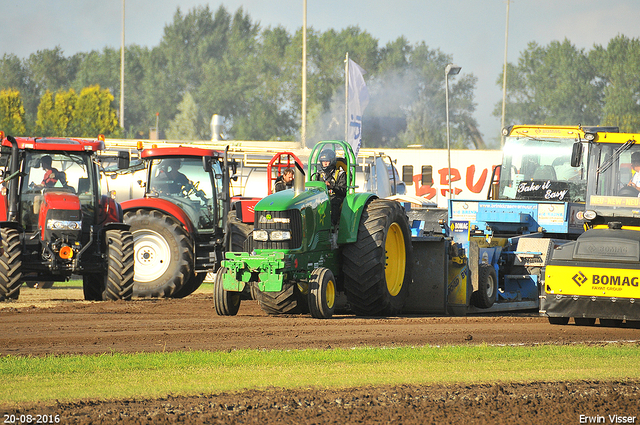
357 101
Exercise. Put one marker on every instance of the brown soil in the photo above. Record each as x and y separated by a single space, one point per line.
57 321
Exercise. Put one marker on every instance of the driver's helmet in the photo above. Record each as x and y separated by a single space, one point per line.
327 155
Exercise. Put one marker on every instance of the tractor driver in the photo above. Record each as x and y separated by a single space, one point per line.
51 174
336 181
172 180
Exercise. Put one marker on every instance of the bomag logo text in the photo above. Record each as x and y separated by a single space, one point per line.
614 280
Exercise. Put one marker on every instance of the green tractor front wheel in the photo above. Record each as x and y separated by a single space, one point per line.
322 293
227 303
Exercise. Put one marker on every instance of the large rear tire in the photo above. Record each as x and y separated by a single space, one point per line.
163 253
120 252
322 293
10 265
227 303
288 301
192 284
93 286
117 283
237 232
377 267
487 292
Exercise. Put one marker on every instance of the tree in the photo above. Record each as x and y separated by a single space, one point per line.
555 84
45 122
618 66
94 114
54 116
48 70
12 114
185 124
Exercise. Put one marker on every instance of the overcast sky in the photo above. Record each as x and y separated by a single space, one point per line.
471 31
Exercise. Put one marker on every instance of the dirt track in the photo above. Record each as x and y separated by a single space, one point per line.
57 321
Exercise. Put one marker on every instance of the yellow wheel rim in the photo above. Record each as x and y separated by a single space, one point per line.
330 293
395 259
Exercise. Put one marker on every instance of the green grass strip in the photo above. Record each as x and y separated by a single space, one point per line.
146 375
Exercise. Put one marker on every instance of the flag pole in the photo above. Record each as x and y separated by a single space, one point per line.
303 129
346 98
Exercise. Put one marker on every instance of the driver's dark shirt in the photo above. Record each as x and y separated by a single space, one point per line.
175 183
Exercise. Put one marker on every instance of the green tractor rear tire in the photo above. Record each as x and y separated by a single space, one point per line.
377 267
322 293
227 303
10 265
163 253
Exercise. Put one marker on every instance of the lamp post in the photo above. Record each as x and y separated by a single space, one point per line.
450 69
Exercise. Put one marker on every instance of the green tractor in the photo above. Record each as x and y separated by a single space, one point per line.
297 261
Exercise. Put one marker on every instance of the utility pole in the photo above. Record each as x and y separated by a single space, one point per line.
504 75
122 72
303 129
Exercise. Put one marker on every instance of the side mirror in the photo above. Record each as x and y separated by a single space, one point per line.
206 164
576 154
234 166
123 160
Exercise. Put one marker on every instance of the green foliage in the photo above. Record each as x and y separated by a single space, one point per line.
252 76
185 125
12 114
54 117
93 114
554 84
146 375
618 67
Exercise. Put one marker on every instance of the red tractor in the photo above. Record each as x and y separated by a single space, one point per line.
187 218
182 225
54 221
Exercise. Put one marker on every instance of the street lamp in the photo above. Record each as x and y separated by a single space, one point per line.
450 69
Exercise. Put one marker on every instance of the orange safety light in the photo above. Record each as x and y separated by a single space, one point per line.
65 252
1 135
140 145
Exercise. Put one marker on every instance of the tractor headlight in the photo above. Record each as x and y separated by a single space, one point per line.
260 235
589 215
280 235
53 224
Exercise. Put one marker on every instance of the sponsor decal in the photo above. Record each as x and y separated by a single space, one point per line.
579 278
614 280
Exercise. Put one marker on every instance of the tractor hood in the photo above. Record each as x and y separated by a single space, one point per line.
313 195
61 201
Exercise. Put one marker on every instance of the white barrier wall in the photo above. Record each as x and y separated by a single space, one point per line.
470 172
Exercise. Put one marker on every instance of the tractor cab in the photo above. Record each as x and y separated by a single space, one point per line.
613 193
184 182
49 173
